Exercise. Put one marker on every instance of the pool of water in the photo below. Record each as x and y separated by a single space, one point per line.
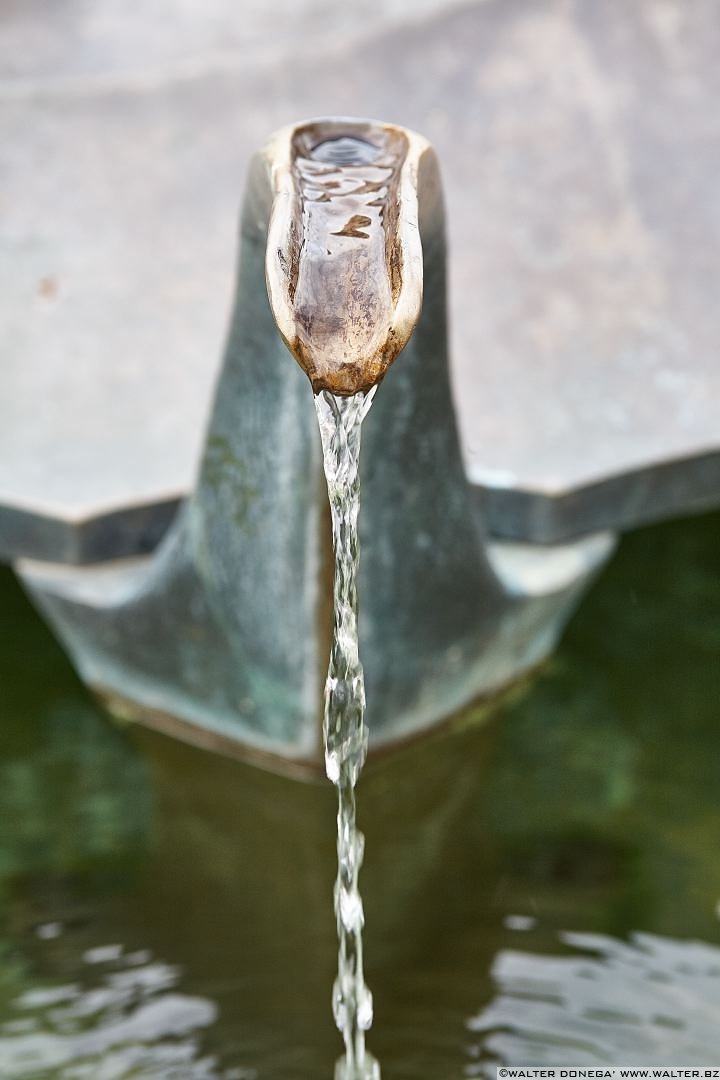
542 887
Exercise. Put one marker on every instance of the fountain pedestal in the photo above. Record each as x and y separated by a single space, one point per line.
584 233
221 635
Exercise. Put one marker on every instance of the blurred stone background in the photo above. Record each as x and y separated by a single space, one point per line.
581 147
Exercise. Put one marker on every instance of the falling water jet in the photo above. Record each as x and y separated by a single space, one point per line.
344 730
344 274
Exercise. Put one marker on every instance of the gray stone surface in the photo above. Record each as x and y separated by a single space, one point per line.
580 146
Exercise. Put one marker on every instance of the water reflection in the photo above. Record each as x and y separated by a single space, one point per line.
122 1017
166 914
651 1000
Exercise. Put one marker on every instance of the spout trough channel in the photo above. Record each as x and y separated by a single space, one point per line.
344 260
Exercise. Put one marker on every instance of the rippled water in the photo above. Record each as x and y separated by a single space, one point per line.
541 886
652 1000
122 1014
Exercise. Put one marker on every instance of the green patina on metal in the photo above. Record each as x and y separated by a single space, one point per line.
231 477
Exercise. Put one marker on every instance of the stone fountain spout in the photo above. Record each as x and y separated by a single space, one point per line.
221 635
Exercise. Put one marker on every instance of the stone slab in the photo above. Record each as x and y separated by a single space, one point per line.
580 147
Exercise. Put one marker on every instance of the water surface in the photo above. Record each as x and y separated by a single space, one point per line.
543 886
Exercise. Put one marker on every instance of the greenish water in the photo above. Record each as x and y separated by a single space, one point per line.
541 888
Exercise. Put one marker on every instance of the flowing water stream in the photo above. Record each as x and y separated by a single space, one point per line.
344 730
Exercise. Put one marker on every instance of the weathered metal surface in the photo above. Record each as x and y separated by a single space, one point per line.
580 145
226 627
344 263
